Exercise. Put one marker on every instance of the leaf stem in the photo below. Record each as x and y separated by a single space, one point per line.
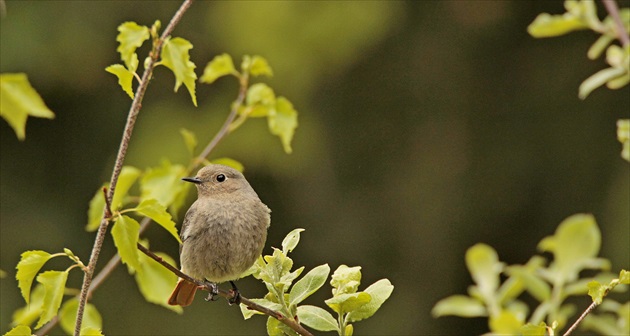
122 151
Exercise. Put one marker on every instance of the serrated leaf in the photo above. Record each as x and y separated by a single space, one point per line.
345 303
163 183
221 65
380 292
156 211
125 77
29 265
317 318
283 122
31 312
260 67
598 79
125 233
18 100
54 284
484 267
546 25
20 330
459 305
291 240
175 56
346 279
597 291
156 282
309 284
230 163
68 316
130 38
190 139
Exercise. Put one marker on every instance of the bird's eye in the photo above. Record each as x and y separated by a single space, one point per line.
221 178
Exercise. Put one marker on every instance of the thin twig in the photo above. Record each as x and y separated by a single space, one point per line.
122 151
579 320
287 320
613 11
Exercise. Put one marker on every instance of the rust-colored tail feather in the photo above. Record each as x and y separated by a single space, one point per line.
184 293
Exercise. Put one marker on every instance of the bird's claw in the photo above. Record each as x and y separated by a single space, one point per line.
213 292
236 295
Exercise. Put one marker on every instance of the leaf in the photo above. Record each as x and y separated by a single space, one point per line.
273 327
18 100
505 323
623 135
126 179
309 284
54 284
380 292
156 211
163 183
260 94
537 287
32 310
230 163
484 266
283 122
190 139
89 331
346 279
547 25
345 303
316 318
156 282
125 233
459 305
20 330
260 67
597 291
533 330
624 277
29 265
125 77
221 65
598 79
599 46
291 240
574 245
130 38
68 316
175 57
247 313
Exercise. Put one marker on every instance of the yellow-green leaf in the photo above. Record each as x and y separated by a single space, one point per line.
125 233
598 79
156 282
506 323
623 135
316 318
126 179
547 25
32 310
130 38
163 183
291 240
221 65
260 67
54 284
283 122
156 211
90 331
190 139
68 316
346 303
175 56
95 210
20 330
230 163
125 77
18 100
459 305
30 264
309 284
346 279
534 330
380 292
484 266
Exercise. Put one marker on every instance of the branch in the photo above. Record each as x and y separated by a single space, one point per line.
287 320
122 151
579 320
613 11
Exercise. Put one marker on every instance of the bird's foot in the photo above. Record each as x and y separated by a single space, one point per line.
214 291
236 295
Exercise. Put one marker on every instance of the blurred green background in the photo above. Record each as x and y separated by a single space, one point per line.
425 127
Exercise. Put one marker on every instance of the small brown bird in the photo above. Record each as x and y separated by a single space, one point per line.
223 233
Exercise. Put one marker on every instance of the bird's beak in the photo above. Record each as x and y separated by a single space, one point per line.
192 180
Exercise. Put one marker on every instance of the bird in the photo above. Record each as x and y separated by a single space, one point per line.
223 232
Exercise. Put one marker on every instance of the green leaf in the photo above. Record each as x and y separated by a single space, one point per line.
156 211
624 277
260 67
484 267
221 65
30 264
346 279
156 282
68 316
54 284
309 284
190 139
125 77
380 292
574 245
349 331
32 310
230 163
163 183
598 79
537 287
95 210
546 25
260 94
89 331
623 135
283 122
317 318
506 323
175 57
125 233
273 327
18 100
20 330
247 313
534 330
597 291
599 46
130 38
345 303
459 305
126 179
291 240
